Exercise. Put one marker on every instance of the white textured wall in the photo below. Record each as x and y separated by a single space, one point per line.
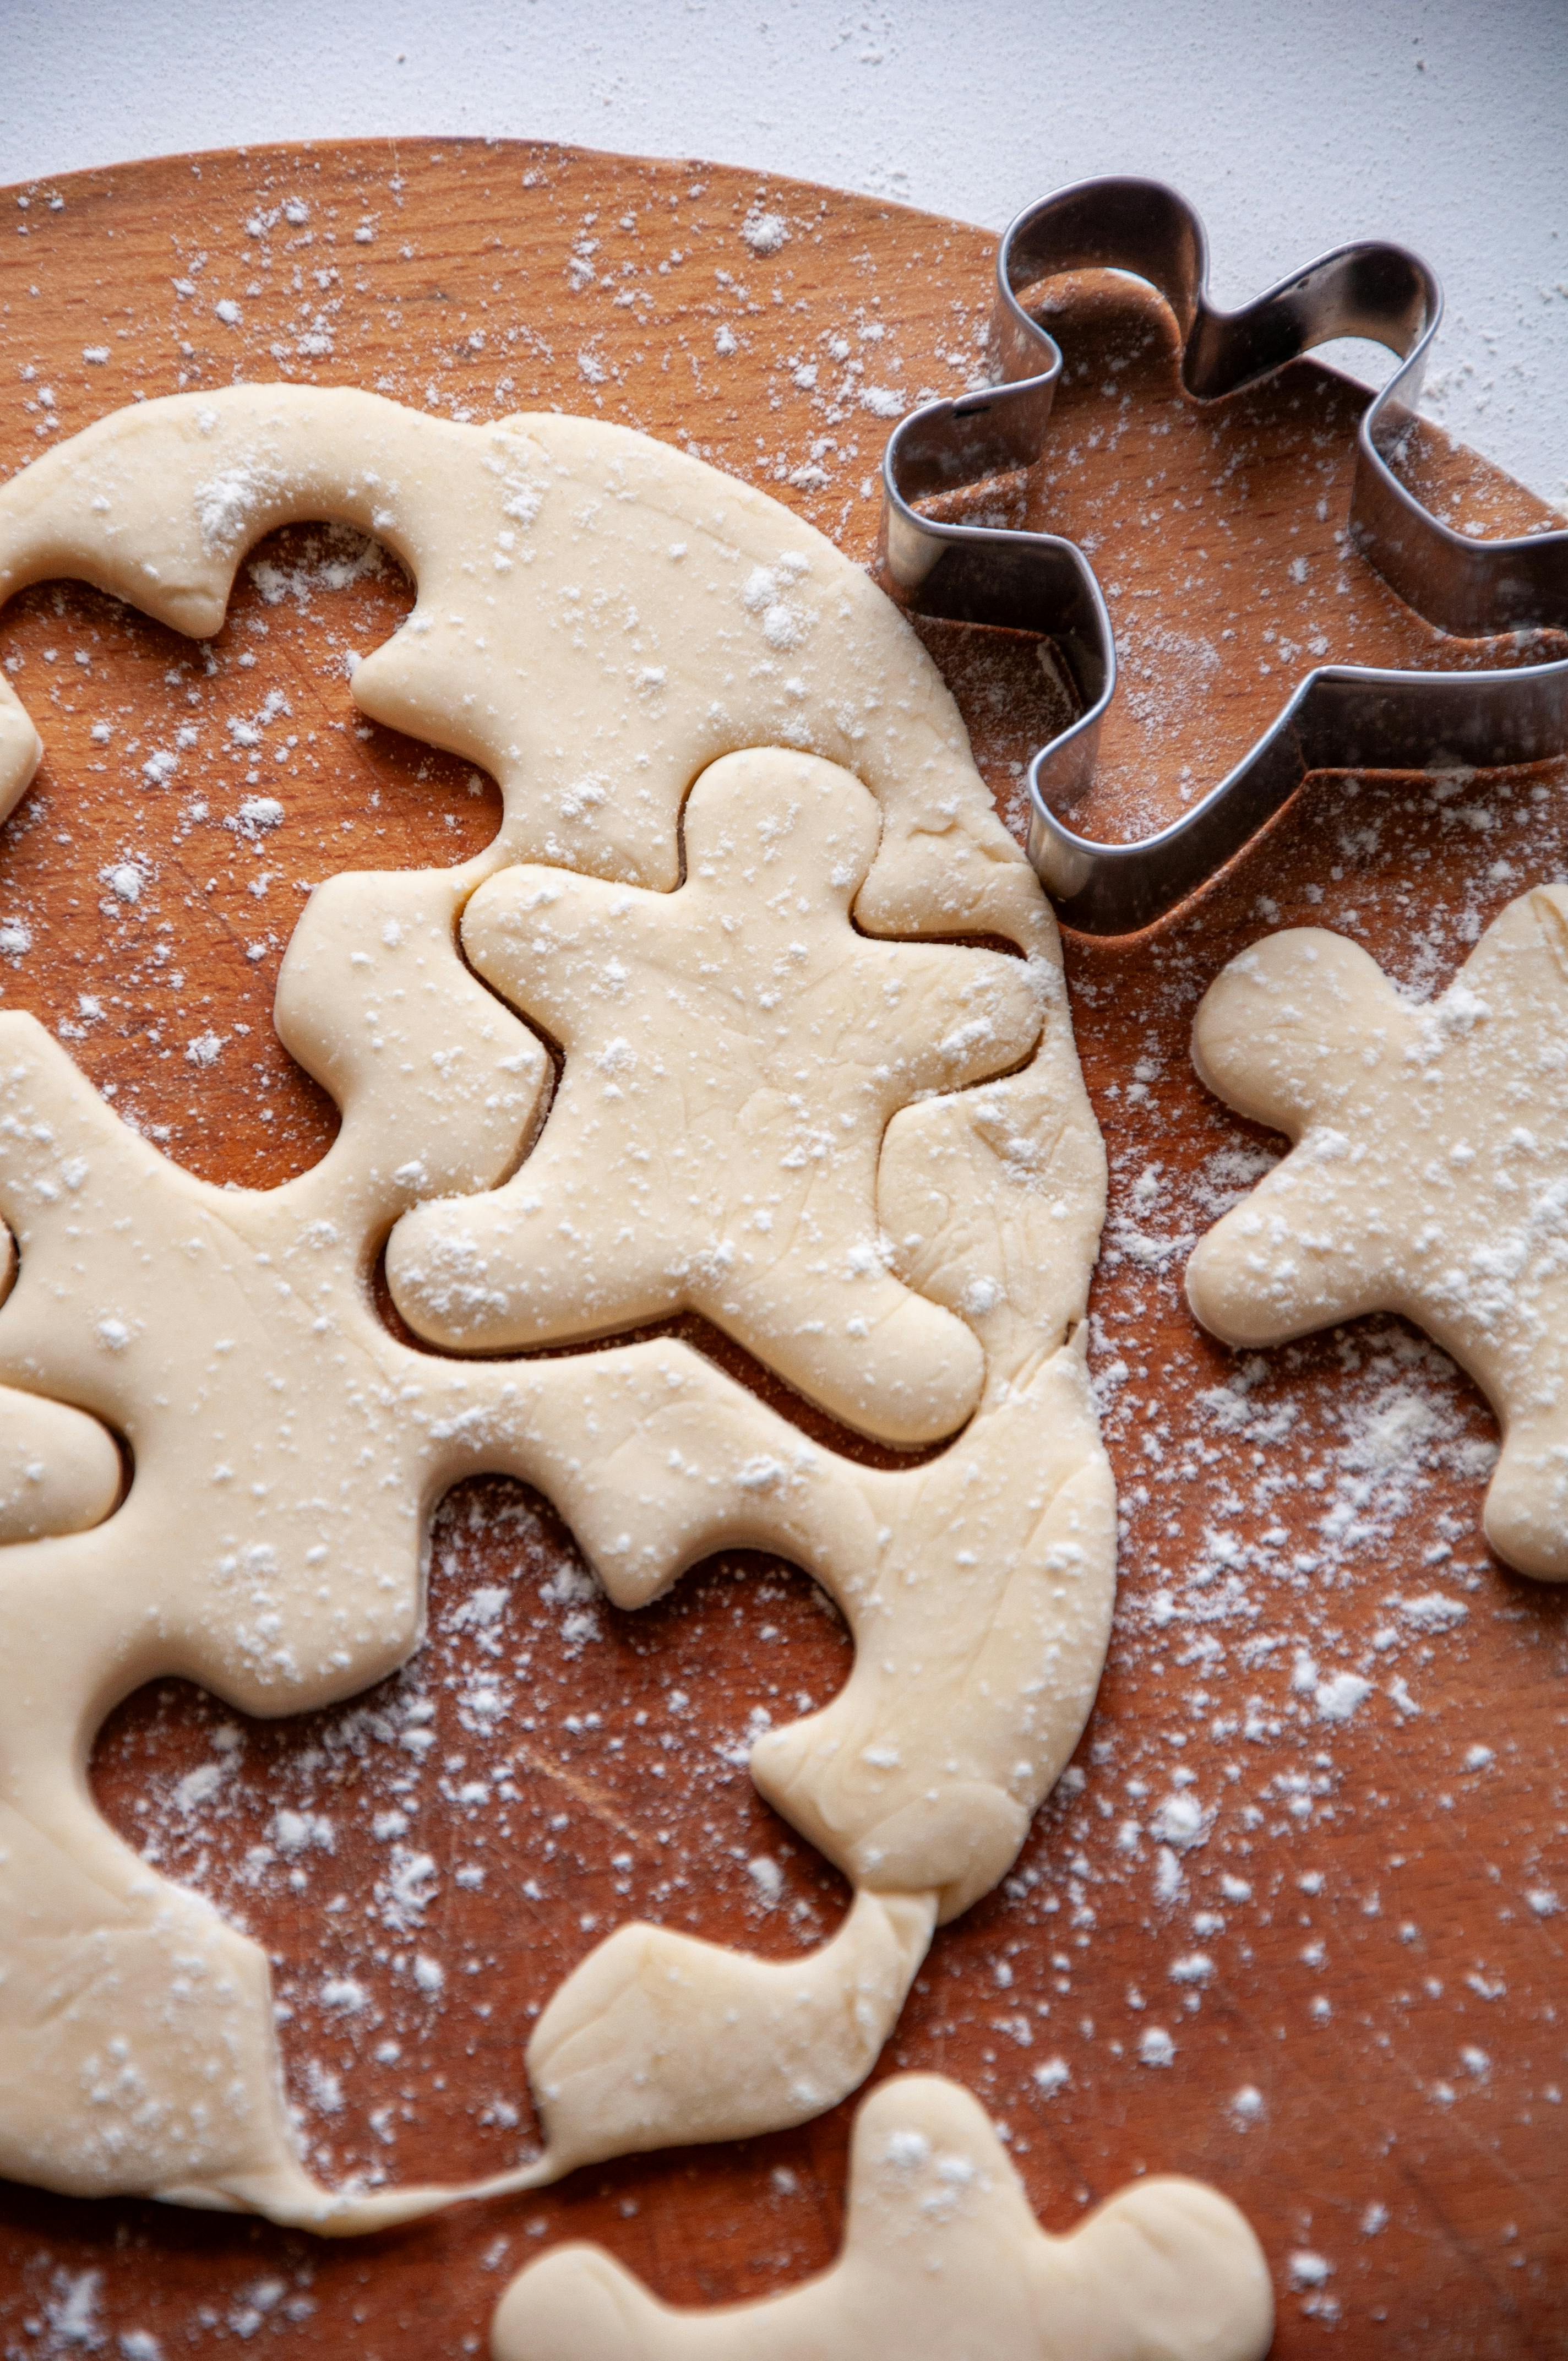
1292 124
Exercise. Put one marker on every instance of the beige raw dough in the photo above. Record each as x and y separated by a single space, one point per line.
60 1470
288 1451
942 2260
1430 1176
780 2040
21 749
927 1768
599 617
734 1054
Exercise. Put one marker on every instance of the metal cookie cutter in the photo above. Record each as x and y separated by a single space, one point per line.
1342 716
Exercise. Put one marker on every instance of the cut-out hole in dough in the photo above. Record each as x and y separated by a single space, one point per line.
531 1779
166 964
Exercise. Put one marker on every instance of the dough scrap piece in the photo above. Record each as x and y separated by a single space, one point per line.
287 1449
734 1054
781 2040
264 1551
136 2049
259 1549
927 1768
942 2260
1429 1176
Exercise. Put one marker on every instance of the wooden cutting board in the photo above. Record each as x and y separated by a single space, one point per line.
1353 1935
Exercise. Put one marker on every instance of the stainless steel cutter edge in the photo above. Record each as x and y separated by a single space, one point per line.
1342 717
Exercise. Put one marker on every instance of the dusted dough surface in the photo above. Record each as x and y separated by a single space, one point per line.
942 2261
664 2000
599 617
1430 1176
733 1053
59 1471
287 1449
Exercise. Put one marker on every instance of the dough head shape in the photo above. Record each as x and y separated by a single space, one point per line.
288 1450
1429 1176
942 2260
733 1053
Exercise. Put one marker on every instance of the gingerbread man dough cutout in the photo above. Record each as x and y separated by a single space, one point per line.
1428 1177
734 1054
942 2260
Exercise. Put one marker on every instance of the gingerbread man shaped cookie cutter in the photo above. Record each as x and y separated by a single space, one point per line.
1341 717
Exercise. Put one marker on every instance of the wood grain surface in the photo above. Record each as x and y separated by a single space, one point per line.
1360 1923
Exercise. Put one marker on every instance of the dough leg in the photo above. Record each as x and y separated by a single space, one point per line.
1303 1251
1526 1516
